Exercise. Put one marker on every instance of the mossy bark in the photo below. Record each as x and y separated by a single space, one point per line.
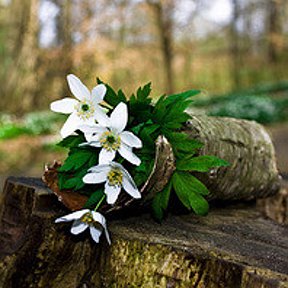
231 247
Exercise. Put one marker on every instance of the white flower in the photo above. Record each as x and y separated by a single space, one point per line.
86 218
85 110
110 136
116 177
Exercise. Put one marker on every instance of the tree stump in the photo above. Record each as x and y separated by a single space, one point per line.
231 247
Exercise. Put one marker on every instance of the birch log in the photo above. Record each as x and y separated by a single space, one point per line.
247 146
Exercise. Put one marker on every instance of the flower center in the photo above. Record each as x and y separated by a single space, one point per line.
110 141
115 177
85 109
87 218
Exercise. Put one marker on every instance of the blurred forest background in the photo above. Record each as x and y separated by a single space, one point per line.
235 51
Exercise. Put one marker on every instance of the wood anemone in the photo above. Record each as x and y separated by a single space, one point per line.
163 168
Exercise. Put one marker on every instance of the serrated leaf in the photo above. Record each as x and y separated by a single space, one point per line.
171 114
146 134
182 96
76 160
94 198
160 202
143 93
182 143
111 97
201 163
189 190
140 105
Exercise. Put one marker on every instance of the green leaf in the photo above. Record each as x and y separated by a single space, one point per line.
171 114
140 105
160 202
111 97
143 93
75 160
73 183
182 143
72 141
61 180
182 96
201 163
147 136
189 190
94 198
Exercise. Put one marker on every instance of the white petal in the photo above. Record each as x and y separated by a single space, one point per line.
70 125
126 152
130 139
106 156
98 93
101 117
128 181
95 233
78 227
87 121
119 117
101 219
93 178
79 90
72 216
92 133
66 105
112 193
96 144
131 188
100 168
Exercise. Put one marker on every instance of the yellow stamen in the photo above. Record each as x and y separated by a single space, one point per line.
115 177
87 218
85 109
110 141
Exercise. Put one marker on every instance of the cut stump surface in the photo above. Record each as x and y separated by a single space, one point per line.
231 247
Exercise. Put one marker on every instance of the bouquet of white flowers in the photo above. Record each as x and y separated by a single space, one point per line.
118 141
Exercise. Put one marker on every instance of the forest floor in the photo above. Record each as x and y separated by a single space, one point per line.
27 155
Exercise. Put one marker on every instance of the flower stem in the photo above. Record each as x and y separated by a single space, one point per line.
100 201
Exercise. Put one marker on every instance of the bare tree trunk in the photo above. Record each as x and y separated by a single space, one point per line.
67 37
21 79
235 49
164 21
274 29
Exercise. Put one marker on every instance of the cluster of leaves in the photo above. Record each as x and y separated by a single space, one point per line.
147 120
